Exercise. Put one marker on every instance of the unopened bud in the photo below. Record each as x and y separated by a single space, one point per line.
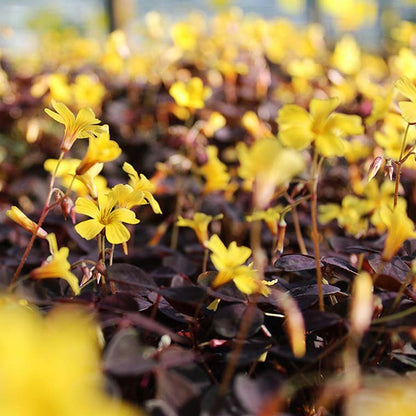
389 169
281 229
86 273
20 218
374 167
68 208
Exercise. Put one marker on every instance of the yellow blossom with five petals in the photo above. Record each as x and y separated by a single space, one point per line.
104 216
81 126
298 128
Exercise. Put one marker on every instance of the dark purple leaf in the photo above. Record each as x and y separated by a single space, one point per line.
192 295
129 274
227 319
313 290
316 320
125 356
295 263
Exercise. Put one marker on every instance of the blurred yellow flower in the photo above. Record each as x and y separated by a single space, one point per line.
230 265
255 126
57 266
347 55
104 216
51 366
268 166
214 172
191 94
100 149
350 215
199 223
270 216
81 126
88 91
298 128
408 108
20 218
383 396
215 122
142 184
399 229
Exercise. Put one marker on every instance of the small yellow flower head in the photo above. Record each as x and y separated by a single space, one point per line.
142 184
88 91
100 149
268 165
199 223
215 122
57 266
215 172
255 126
399 228
63 349
230 265
270 216
347 56
89 183
20 218
408 108
298 128
127 197
191 94
104 216
80 127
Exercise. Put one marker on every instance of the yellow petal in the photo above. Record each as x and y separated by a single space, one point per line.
89 229
116 233
408 110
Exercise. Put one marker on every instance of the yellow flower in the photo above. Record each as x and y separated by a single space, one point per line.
347 56
20 218
350 215
408 108
104 217
127 197
57 266
270 216
88 91
215 122
191 94
399 229
298 128
48 365
381 107
89 183
100 149
215 172
142 184
199 223
255 126
80 127
268 165
230 265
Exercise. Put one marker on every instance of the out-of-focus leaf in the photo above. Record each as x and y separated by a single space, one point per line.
125 356
309 290
316 320
227 320
396 267
192 295
119 301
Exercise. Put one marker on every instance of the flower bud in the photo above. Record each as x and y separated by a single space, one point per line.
282 232
389 169
374 167
20 218
68 208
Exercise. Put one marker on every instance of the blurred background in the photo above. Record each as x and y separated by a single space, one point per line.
22 22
